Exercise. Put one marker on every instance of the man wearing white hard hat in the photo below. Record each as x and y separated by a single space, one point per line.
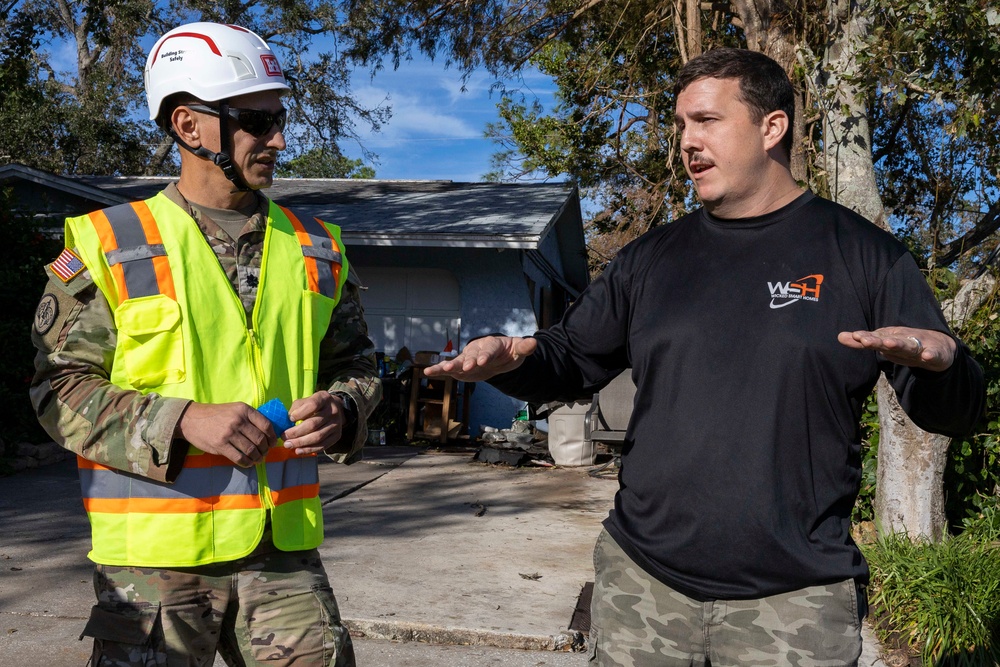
164 325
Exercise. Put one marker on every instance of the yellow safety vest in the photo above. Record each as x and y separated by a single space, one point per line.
182 333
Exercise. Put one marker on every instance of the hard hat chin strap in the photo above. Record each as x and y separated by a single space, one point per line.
222 159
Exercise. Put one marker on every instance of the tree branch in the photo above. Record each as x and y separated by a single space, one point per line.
5 10
155 166
969 241
558 31
894 132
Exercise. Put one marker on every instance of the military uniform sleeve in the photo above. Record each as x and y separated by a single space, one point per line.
347 364
74 398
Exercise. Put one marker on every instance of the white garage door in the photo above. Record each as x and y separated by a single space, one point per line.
417 308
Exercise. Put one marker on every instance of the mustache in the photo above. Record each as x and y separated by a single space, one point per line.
698 158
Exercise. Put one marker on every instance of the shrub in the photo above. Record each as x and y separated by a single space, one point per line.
972 477
23 253
943 599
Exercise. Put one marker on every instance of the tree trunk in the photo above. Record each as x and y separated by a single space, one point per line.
774 38
909 496
846 132
693 16
155 166
909 492
970 297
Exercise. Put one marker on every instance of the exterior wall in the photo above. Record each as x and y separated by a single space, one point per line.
419 307
495 299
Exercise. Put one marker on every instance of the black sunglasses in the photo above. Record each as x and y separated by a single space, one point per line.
253 121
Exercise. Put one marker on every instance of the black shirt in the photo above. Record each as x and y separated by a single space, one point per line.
742 460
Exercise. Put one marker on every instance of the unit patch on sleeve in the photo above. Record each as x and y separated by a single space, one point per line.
67 265
45 315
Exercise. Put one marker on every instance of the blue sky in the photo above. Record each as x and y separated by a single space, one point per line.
437 129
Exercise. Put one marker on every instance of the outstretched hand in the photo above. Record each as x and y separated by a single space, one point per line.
919 348
485 357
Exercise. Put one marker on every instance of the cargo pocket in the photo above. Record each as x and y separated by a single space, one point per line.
338 648
151 341
126 633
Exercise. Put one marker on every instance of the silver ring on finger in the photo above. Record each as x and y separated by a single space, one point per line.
920 346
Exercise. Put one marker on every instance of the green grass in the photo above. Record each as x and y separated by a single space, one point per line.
943 598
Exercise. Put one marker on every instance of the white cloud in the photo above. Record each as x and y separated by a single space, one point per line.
436 129
415 117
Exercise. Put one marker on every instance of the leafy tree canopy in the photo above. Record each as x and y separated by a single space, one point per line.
324 162
927 78
88 114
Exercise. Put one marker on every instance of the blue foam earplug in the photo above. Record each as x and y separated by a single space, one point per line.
277 414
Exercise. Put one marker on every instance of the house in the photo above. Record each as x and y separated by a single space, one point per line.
50 198
441 261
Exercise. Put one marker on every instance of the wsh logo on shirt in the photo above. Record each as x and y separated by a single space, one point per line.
803 289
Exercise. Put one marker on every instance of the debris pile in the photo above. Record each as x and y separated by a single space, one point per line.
519 445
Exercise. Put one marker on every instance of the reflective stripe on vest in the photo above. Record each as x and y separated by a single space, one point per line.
134 250
214 511
201 488
321 252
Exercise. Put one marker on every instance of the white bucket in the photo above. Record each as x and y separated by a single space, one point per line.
566 436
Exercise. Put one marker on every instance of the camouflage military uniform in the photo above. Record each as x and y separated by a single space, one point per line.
632 613
273 608
76 403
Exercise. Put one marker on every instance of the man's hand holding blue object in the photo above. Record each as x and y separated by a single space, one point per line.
319 425
233 430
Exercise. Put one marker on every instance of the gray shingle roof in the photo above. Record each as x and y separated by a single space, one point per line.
420 213
72 186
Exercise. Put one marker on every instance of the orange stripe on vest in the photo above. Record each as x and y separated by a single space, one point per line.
305 239
294 493
171 505
109 242
161 265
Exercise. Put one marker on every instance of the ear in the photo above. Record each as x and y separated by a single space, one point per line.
773 127
186 125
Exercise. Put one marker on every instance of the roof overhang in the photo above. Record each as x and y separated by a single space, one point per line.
72 186
442 241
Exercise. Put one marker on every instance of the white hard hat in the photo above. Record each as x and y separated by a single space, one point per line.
212 62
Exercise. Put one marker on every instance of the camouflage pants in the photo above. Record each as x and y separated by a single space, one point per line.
271 608
637 621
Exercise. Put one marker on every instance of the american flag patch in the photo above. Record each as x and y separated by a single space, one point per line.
67 265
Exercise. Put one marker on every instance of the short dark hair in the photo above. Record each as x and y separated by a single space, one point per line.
171 102
764 85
